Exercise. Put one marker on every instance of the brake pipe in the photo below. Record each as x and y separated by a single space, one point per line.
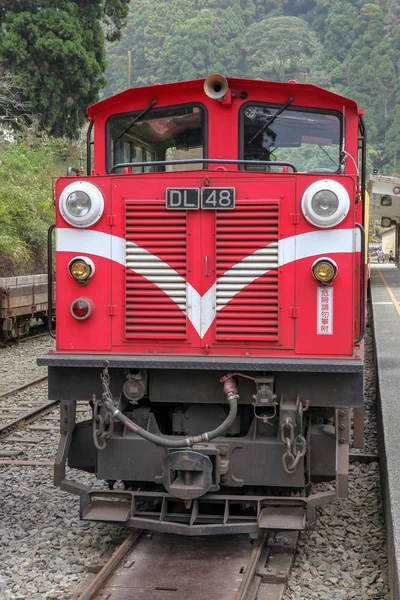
232 397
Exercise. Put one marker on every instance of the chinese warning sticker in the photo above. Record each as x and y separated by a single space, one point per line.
325 311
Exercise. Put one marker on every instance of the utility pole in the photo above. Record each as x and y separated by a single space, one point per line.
129 69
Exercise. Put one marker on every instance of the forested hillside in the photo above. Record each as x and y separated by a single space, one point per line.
349 46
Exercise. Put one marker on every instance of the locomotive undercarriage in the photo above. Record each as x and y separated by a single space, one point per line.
257 474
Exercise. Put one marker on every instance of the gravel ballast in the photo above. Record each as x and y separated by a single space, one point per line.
45 550
18 362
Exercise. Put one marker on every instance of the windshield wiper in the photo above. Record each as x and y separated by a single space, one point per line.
272 119
137 118
328 155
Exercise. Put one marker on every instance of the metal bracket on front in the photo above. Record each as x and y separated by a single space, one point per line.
342 426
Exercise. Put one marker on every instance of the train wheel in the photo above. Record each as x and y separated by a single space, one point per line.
5 337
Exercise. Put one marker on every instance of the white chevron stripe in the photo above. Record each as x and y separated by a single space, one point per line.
201 310
157 276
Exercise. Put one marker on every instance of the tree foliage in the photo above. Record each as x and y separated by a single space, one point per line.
275 46
11 90
349 46
58 48
26 207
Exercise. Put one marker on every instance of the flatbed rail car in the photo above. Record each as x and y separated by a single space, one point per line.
211 305
22 299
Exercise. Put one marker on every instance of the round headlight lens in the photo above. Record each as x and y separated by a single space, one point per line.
325 203
81 204
324 270
78 203
80 270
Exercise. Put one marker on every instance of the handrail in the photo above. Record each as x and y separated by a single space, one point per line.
73 170
363 165
89 145
362 282
50 280
212 161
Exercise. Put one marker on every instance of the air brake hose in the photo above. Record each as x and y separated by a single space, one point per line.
232 397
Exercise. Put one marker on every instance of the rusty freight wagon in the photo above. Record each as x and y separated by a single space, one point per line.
23 300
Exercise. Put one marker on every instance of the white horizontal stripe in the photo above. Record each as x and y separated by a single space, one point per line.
201 310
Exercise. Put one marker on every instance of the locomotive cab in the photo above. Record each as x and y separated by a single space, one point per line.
210 305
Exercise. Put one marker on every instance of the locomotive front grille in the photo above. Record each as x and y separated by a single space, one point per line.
155 302
247 271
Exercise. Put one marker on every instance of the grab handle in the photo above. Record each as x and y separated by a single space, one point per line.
362 285
50 280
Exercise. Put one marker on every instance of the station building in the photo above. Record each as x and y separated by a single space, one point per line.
384 191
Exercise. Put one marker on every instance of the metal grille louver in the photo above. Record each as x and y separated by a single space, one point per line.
155 261
247 312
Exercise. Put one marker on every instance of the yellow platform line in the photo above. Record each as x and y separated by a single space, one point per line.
396 304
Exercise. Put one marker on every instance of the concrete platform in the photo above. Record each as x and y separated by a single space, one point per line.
385 294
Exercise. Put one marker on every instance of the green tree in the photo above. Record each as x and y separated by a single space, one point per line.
275 45
392 150
339 29
149 26
204 44
58 47
369 24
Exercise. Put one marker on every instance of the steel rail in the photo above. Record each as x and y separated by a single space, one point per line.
15 390
248 579
110 565
31 416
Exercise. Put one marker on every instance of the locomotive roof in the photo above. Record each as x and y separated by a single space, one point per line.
236 84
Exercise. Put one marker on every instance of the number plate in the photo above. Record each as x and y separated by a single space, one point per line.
216 198
182 198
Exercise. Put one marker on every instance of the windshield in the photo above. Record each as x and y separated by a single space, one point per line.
310 140
161 134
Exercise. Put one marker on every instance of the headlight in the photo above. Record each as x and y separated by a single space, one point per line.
324 270
81 204
81 268
325 203
78 204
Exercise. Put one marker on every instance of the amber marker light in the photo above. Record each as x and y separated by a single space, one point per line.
324 270
82 308
81 269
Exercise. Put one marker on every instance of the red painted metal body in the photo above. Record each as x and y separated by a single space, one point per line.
276 314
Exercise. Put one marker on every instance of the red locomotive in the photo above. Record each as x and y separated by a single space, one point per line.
210 305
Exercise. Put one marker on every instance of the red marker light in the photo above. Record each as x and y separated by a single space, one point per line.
82 308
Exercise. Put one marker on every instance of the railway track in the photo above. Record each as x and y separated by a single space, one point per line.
150 566
22 429
14 416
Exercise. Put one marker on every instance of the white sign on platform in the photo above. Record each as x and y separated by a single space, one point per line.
325 311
